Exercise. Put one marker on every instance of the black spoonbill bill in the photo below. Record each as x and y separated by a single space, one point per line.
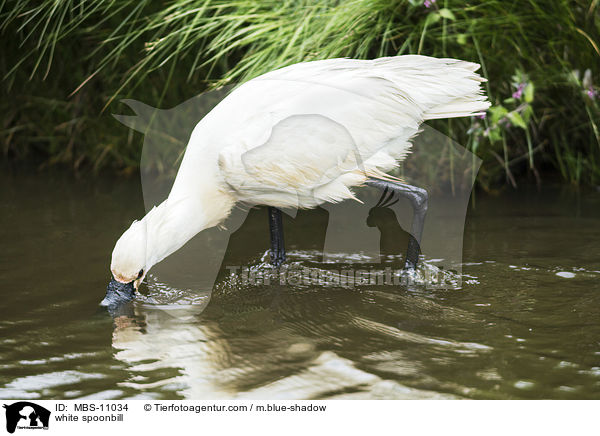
298 137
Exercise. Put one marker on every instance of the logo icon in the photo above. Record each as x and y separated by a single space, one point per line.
26 415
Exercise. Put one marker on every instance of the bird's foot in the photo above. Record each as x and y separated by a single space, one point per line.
277 259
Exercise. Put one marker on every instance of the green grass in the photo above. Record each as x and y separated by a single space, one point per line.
65 64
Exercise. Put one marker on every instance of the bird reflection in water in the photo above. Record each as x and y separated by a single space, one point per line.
170 349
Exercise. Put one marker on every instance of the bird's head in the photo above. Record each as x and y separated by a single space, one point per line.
379 216
128 265
381 212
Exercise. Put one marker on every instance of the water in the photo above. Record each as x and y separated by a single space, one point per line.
524 323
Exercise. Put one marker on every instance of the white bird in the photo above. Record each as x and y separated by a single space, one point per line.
298 137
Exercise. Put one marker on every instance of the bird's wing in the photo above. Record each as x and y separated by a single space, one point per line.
307 159
425 86
309 124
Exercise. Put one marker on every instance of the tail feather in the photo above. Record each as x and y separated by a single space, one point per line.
444 88
460 107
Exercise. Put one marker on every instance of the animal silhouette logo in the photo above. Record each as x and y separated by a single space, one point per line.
393 237
383 233
26 415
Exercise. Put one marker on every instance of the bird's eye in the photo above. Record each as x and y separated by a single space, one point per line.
140 274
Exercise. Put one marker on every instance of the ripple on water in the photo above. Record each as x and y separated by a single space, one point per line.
209 360
32 386
333 377
307 269
288 344
159 293
376 327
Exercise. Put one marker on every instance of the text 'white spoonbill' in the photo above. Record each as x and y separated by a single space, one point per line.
298 137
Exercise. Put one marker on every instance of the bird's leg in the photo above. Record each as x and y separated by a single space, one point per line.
276 231
418 198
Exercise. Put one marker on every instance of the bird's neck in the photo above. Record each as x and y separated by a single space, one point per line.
180 217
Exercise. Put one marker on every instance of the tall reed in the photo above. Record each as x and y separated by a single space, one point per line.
65 61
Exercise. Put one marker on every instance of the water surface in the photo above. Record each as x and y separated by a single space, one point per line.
523 324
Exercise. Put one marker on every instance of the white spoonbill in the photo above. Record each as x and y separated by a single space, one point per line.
298 137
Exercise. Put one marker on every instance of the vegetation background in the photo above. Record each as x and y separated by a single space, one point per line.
66 65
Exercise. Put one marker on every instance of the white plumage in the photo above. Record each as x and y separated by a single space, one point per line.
298 137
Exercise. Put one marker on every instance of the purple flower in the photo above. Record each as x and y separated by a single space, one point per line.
482 116
428 3
592 93
519 92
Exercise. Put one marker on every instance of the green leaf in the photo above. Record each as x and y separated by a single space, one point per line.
447 13
432 18
529 90
461 38
497 113
516 119
527 113
494 135
509 100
